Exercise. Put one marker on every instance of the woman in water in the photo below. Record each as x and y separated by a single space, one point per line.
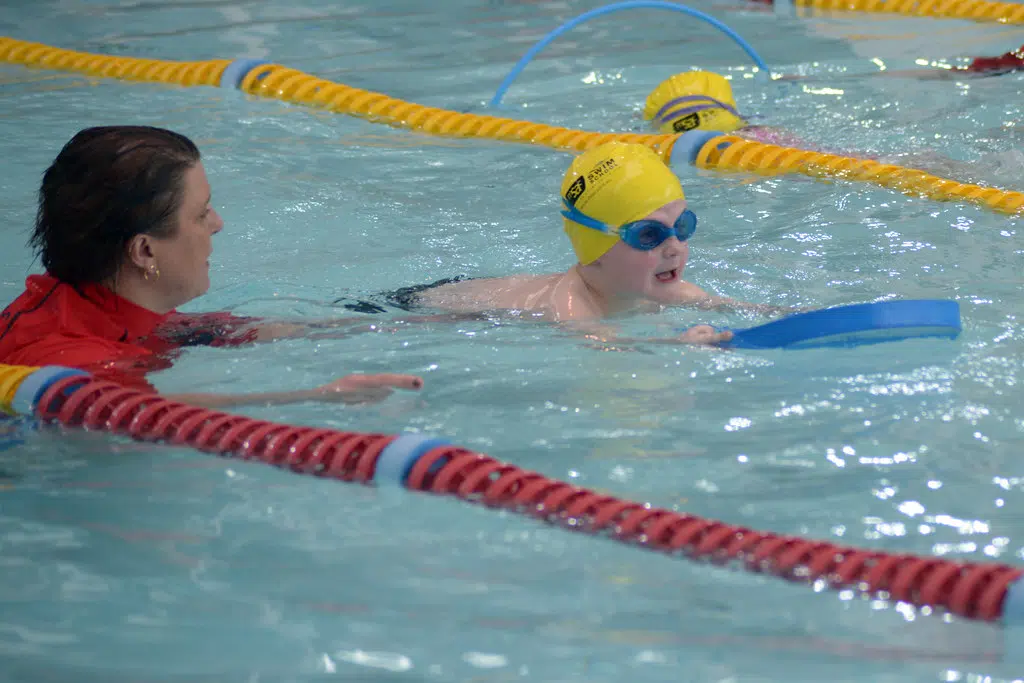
124 231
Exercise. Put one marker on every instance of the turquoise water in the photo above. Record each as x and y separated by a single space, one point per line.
122 561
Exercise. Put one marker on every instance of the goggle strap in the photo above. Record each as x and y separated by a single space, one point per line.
577 216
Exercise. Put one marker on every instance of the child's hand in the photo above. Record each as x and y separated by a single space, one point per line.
705 334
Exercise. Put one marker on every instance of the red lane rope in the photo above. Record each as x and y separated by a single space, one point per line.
969 590
974 591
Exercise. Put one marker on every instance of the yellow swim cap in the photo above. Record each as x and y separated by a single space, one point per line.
615 183
695 99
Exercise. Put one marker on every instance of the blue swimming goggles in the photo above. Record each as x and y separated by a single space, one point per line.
643 235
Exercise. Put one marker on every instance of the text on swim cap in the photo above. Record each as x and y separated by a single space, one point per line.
579 186
603 168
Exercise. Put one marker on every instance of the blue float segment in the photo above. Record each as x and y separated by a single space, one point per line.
237 70
399 456
616 7
32 387
854 325
1013 604
783 8
688 146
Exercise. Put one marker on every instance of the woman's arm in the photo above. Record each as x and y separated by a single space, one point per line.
349 389
100 359
220 328
225 329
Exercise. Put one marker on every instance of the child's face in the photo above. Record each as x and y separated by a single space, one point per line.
653 274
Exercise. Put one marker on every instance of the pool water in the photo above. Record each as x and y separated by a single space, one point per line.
122 561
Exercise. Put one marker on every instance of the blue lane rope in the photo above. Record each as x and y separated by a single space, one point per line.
616 7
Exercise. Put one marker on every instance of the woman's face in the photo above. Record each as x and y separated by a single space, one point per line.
183 259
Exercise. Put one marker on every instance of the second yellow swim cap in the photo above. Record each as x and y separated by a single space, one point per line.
615 183
694 99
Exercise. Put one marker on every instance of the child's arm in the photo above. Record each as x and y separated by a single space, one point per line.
701 335
692 295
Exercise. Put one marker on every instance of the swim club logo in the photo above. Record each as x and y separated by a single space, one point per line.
577 188
688 122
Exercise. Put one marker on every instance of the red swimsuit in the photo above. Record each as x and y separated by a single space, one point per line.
90 327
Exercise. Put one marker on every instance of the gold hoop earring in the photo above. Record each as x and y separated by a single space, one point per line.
154 270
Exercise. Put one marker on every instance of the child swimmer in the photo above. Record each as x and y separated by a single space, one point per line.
704 100
627 218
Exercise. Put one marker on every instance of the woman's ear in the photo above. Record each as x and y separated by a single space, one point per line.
140 252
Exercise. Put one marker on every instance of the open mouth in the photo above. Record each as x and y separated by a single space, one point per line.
667 275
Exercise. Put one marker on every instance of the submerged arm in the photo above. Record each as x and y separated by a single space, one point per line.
721 303
348 389
694 296
701 335
225 329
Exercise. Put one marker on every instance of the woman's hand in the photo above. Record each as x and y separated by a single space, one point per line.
705 334
365 388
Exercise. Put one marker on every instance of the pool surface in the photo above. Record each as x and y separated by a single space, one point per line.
128 562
